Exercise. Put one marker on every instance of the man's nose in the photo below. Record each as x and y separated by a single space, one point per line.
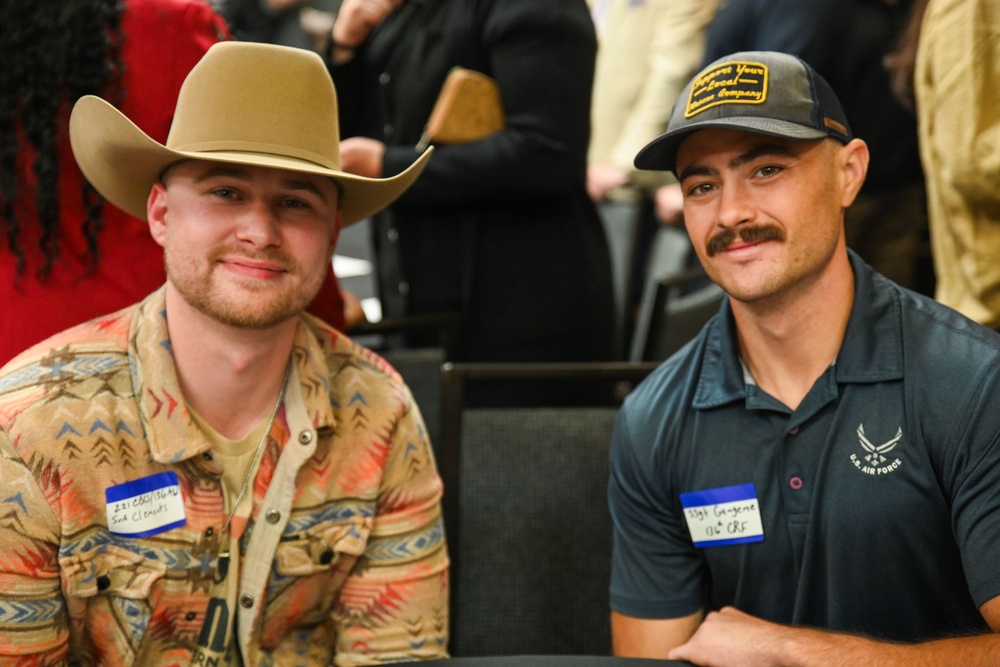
259 225
736 205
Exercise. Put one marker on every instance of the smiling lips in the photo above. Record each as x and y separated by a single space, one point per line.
749 235
258 268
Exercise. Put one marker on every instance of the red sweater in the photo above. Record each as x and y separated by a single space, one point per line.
163 41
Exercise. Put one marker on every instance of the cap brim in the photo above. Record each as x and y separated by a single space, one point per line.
123 163
661 153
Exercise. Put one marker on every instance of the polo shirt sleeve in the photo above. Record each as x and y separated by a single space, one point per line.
972 472
655 570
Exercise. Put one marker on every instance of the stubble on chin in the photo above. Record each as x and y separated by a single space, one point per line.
246 305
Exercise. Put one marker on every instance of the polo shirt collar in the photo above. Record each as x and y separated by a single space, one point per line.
872 350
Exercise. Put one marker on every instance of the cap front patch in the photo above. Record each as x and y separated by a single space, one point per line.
729 83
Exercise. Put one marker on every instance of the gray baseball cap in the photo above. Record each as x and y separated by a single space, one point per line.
757 91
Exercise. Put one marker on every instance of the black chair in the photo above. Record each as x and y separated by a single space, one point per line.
526 512
673 311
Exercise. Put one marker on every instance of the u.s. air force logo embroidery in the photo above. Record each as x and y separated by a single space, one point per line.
876 460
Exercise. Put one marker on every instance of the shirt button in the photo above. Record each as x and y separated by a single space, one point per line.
190 616
392 234
404 287
384 78
795 482
389 129
209 531
272 516
208 456
794 431
326 557
246 601
305 437
103 582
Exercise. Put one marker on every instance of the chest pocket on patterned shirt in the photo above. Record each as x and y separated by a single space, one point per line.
115 585
321 547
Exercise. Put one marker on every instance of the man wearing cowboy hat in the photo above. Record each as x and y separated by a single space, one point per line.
212 476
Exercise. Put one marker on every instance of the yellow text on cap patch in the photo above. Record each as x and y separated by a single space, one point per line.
729 83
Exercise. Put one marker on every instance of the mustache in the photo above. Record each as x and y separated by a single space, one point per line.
748 234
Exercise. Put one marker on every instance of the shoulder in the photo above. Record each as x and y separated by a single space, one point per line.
658 404
105 336
354 374
937 336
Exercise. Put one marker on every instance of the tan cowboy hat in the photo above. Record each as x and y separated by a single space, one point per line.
245 103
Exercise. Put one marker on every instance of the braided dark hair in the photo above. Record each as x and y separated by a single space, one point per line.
56 51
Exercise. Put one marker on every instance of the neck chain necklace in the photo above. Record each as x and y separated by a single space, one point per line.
256 458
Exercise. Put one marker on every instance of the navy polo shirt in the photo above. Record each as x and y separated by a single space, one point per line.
878 497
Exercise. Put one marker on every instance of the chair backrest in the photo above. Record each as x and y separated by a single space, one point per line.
673 313
526 512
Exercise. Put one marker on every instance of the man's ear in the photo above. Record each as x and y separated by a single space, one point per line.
156 213
854 165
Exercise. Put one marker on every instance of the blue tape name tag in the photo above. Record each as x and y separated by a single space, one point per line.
145 506
723 516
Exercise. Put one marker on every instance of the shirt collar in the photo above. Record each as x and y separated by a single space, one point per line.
872 349
172 435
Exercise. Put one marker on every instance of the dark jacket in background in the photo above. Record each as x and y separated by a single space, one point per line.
500 229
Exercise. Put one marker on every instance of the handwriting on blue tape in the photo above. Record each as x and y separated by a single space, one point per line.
145 506
723 516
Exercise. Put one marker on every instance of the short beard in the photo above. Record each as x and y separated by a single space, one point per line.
747 234
200 292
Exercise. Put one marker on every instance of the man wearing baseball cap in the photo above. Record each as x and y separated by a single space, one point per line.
213 476
812 480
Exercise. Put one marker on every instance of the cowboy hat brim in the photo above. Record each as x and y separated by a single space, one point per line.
123 163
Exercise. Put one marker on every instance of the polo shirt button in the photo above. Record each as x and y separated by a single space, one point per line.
209 531
246 601
190 616
384 78
795 482
794 431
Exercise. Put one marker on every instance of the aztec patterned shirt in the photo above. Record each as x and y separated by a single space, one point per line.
111 509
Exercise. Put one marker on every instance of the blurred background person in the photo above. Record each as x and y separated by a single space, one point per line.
303 24
500 229
957 87
65 256
646 53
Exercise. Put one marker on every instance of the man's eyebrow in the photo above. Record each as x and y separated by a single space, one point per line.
233 171
696 170
227 170
761 150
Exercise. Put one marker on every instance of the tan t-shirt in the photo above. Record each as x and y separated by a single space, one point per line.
217 641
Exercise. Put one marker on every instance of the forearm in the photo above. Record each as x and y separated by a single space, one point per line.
805 648
731 638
